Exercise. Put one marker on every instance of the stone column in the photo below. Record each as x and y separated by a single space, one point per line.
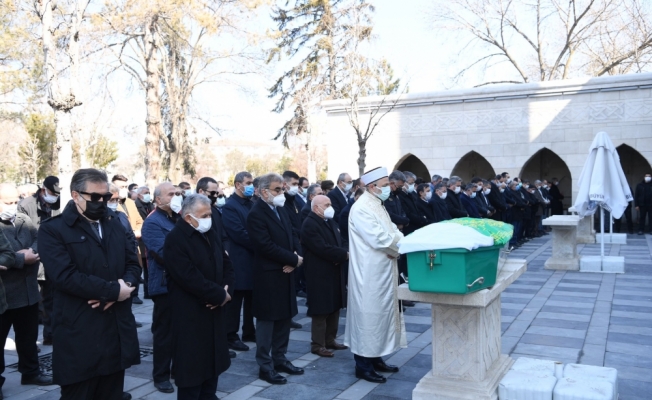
466 356
564 242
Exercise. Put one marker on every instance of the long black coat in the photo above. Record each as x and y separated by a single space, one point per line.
425 208
197 269
439 208
409 204
556 200
326 261
455 207
274 240
241 250
89 342
395 210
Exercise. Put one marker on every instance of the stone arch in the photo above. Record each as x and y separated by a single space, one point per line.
473 164
635 166
412 163
546 164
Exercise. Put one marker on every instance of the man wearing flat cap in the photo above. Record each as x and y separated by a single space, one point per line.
44 204
373 324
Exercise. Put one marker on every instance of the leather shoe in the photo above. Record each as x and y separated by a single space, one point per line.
295 325
289 368
382 367
272 377
136 300
238 345
369 376
232 354
38 380
336 346
322 352
126 396
408 303
164 386
47 342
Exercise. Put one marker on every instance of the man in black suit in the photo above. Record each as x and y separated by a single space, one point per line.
312 191
302 197
496 199
455 207
274 301
291 190
326 261
438 203
402 184
340 194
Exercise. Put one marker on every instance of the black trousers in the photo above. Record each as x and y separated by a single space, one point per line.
272 338
242 299
628 216
162 335
205 391
366 363
645 213
145 278
25 323
46 303
107 387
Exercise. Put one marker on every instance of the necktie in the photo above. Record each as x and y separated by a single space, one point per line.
96 226
276 212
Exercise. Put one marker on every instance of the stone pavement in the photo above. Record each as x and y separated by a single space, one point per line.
566 316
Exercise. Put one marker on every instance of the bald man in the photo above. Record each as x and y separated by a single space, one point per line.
325 261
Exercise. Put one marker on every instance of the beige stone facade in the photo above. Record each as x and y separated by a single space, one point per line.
538 130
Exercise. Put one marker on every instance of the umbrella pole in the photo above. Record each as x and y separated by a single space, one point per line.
601 237
611 228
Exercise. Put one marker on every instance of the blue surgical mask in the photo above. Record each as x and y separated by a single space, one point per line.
519 186
248 190
384 195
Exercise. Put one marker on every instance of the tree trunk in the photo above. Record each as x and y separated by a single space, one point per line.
63 122
152 100
312 165
362 156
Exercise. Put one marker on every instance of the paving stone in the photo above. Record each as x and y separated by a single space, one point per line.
357 391
630 329
229 382
295 391
567 310
628 348
555 303
642 360
567 317
573 294
571 299
549 351
573 343
334 380
392 389
243 393
560 323
633 389
561 332
629 314
630 338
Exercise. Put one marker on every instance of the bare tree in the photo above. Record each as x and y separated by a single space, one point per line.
541 40
30 157
61 24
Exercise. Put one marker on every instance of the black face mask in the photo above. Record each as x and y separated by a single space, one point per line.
213 199
95 210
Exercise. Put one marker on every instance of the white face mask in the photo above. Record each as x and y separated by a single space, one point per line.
279 201
204 224
502 190
188 192
478 188
293 190
458 189
112 206
472 195
9 212
428 195
648 179
545 186
526 186
221 201
50 199
410 188
329 213
486 192
443 195
147 198
123 193
175 204
348 186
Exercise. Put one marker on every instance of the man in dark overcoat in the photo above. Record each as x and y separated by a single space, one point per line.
94 269
200 282
242 255
274 302
326 259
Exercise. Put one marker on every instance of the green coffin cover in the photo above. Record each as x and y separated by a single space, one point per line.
456 271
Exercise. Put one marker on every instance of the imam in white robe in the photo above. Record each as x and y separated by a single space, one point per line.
374 327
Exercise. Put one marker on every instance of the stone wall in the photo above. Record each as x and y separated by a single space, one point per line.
511 126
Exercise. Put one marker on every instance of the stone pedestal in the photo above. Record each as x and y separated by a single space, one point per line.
585 232
466 359
612 238
606 264
564 242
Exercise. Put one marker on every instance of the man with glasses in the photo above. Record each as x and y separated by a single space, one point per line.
155 229
276 246
340 194
93 268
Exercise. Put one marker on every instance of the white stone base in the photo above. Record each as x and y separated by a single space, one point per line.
431 387
606 264
615 238
563 264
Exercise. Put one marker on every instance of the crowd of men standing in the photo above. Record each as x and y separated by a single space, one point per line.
216 266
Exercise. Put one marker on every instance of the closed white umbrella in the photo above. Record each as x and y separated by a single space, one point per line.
602 182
